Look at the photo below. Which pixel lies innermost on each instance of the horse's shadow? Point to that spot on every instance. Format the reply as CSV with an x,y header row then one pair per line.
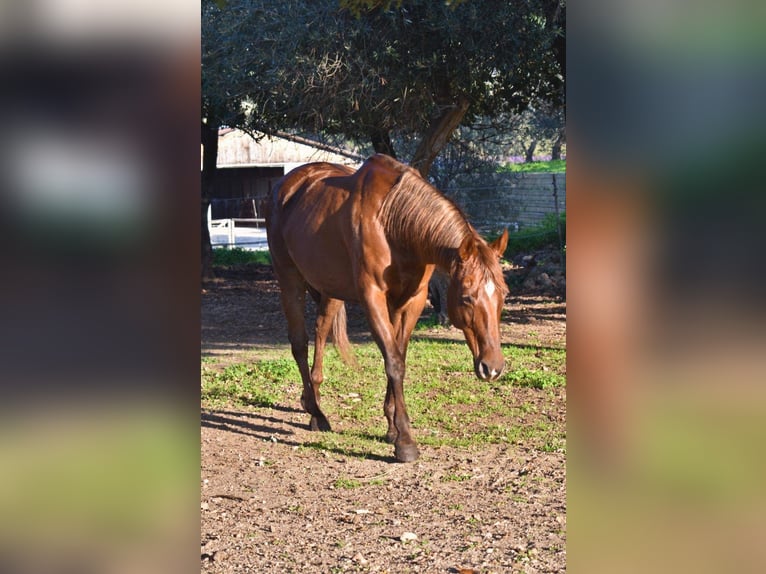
x,y
269,428
232,422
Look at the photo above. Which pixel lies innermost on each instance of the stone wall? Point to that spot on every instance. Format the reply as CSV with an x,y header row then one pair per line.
x,y
513,200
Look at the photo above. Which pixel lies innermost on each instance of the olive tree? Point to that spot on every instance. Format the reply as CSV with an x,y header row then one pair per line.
x,y
367,70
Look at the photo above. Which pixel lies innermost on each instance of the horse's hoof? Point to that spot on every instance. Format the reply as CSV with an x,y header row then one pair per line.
x,y
320,424
406,452
391,437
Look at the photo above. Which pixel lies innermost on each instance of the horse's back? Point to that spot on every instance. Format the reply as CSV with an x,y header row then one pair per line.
x,y
304,175
375,177
324,222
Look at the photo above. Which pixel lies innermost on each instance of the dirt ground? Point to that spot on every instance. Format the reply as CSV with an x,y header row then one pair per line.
x,y
270,506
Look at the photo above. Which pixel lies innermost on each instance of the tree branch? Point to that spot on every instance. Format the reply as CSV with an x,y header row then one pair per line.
x,y
438,134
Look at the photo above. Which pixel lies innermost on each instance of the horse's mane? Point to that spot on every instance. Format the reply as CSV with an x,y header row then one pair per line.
x,y
417,216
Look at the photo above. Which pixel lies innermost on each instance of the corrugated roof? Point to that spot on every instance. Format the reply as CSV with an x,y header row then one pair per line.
x,y
236,148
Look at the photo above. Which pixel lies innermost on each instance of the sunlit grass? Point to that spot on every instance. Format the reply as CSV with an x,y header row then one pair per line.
x,y
552,166
448,405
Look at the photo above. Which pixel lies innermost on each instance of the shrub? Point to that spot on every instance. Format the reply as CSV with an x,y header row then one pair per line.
x,y
239,256
529,239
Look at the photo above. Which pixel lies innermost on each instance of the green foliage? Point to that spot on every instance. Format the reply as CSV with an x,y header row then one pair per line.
x,y
546,234
375,67
356,7
427,322
553,166
239,256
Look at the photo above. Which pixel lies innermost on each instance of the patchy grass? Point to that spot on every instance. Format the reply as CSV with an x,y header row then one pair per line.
x,y
347,483
448,405
259,384
537,379
455,477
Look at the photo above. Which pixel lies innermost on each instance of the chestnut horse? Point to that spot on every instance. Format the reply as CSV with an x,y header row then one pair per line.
x,y
374,236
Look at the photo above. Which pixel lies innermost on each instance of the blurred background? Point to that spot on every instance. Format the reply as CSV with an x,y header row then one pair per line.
x,y
666,261
99,172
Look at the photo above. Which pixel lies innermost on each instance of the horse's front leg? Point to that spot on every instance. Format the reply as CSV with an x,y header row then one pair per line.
x,y
403,322
399,432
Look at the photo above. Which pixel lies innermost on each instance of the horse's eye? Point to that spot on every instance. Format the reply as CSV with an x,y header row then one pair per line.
x,y
467,300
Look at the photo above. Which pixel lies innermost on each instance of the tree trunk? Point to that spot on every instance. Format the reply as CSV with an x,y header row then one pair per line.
x,y
438,134
209,158
530,154
556,149
381,142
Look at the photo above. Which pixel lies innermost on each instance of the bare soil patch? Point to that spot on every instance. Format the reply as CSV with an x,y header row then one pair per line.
x,y
270,503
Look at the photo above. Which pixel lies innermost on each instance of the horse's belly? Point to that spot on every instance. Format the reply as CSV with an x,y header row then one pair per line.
x,y
325,264
331,277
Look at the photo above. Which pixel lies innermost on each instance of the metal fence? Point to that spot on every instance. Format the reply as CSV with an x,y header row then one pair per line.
x,y
241,232
235,208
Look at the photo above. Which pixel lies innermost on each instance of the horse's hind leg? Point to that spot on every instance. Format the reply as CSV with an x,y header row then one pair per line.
x,y
293,295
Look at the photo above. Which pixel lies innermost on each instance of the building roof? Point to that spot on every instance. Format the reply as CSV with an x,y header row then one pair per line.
x,y
238,149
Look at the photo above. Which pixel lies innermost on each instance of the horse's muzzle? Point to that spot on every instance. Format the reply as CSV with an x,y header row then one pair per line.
x,y
488,372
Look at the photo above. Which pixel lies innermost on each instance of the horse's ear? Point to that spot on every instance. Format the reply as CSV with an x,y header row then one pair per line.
x,y
467,248
499,244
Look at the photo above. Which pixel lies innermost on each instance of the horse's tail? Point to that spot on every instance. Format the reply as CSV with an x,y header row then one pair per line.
x,y
340,336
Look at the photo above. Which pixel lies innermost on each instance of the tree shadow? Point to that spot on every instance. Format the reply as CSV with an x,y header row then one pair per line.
x,y
434,337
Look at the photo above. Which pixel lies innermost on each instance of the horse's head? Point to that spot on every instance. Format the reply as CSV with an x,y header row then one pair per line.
x,y
475,300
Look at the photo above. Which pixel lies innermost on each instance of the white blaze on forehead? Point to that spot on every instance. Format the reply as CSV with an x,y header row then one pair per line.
x,y
489,288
